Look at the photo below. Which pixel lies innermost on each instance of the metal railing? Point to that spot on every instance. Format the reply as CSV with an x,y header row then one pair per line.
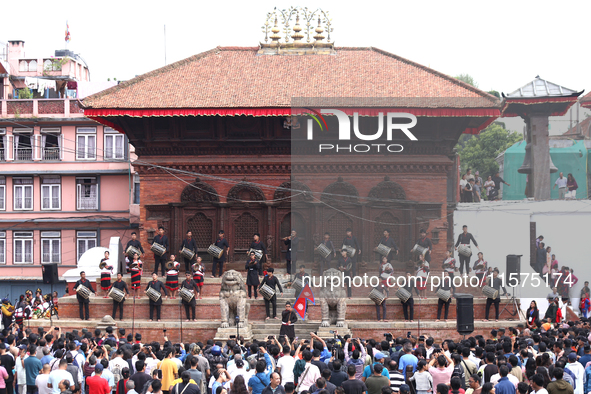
x,y
23,154
51,154
87,203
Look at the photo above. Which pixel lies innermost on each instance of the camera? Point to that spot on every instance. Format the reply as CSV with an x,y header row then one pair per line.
x,y
232,336
270,337
331,332
164,330
408,334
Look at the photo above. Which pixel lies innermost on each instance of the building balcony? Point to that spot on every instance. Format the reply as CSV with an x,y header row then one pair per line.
x,y
23,154
87,203
41,108
50,154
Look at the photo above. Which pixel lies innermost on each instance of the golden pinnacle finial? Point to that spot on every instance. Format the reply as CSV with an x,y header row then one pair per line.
x,y
297,35
319,37
275,37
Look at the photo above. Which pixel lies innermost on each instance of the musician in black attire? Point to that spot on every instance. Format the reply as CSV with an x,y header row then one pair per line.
x,y
496,283
325,262
408,307
121,285
252,274
288,319
464,238
190,244
344,261
83,302
292,254
190,285
271,281
159,287
351,241
257,244
384,290
221,242
161,260
425,243
389,242
446,284
135,243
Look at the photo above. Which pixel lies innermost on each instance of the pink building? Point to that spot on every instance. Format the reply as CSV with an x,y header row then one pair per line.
x,y
66,183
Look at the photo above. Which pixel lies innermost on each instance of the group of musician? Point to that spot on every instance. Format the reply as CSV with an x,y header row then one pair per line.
x,y
29,306
347,258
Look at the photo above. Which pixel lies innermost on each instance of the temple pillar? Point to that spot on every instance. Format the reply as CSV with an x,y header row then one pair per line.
x,y
540,154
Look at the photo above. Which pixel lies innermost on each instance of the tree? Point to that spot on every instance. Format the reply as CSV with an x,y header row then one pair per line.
x,y
468,79
480,151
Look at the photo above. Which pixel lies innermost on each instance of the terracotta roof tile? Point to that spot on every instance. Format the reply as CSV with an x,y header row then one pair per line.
x,y
233,77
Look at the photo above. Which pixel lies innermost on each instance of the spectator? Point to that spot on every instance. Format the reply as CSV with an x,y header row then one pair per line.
x,y
42,379
474,385
561,183
285,365
497,187
97,384
572,187
355,386
64,386
274,386
504,385
489,185
422,378
442,373
32,368
55,377
130,386
396,378
337,376
559,385
3,378
377,380
463,183
407,359
578,371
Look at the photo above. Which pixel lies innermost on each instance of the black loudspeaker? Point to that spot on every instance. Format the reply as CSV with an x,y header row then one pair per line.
x,y
465,313
49,273
513,267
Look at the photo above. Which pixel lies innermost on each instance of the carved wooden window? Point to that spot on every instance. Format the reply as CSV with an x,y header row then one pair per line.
x,y
386,221
202,229
246,225
337,226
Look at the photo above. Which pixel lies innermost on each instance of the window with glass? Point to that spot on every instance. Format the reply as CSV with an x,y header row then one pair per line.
x,y
51,192
23,247
50,247
23,144
50,144
2,193
114,144
85,240
2,247
23,193
87,193
86,143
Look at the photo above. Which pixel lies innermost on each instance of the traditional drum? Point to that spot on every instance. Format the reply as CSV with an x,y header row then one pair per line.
x,y
153,294
383,250
215,251
187,253
158,249
257,253
186,294
350,250
465,250
490,292
323,250
418,249
377,296
297,286
116,294
444,295
267,292
83,291
403,294
132,250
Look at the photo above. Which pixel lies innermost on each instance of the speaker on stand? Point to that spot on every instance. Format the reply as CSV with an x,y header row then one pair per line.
x,y
464,313
50,277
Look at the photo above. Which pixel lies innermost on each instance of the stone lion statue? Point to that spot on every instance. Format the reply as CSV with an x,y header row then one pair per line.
x,y
233,299
333,302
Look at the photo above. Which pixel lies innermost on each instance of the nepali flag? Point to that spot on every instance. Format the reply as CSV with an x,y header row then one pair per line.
x,y
301,304
67,32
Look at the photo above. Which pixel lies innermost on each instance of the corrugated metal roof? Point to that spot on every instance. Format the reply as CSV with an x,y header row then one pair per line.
x,y
541,88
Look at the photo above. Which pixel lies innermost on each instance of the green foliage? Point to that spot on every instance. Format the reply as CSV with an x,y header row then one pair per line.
x,y
478,152
494,93
468,79
25,93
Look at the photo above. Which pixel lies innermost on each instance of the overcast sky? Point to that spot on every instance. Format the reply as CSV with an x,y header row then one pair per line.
x,y
502,44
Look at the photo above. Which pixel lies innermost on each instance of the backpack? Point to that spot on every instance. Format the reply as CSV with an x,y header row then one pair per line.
x,y
116,370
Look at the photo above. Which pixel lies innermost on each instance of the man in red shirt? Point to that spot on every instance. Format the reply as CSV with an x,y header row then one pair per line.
x,y
97,384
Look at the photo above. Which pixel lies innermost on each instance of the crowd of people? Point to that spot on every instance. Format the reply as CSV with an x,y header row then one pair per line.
x,y
548,359
473,189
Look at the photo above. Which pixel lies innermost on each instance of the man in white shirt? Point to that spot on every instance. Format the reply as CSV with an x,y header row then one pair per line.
x,y
578,370
310,373
21,375
285,366
239,370
42,379
55,377
117,364
561,183
537,383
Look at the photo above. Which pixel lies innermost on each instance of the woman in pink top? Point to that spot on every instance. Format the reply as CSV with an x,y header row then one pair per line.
x,y
3,377
445,367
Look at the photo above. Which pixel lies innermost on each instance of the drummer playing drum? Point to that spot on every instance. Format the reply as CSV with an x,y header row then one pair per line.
x,y
447,285
464,238
425,243
120,285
